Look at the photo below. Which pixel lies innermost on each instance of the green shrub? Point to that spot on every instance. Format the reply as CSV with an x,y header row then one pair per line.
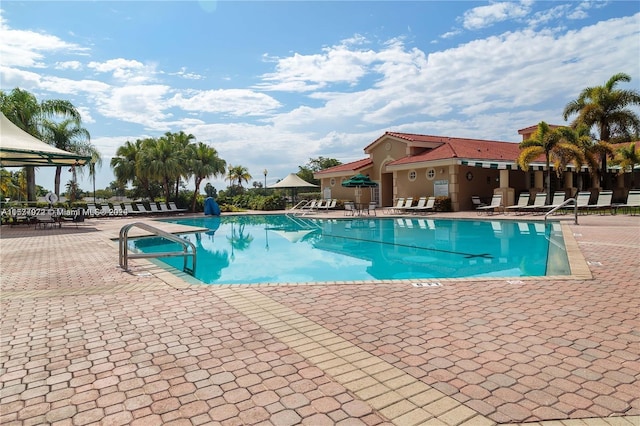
x,y
442,204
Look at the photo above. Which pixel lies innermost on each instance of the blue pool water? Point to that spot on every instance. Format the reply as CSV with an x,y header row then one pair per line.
x,y
285,249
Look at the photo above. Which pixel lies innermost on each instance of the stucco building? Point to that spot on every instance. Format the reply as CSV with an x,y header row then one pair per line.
x,y
414,165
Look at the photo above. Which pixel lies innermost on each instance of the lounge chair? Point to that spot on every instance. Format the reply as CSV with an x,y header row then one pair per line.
x,y
128,209
523,201
399,203
43,220
582,201
74,219
602,203
311,205
475,199
422,201
631,205
408,202
558,199
372,208
426,207
331,204
174,208
349,208
538,202
142,209
496,204
92,210
154,207
164,208
322,204
117,210
105,211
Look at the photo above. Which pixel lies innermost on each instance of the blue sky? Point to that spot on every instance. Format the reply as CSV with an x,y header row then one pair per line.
x,y
272,84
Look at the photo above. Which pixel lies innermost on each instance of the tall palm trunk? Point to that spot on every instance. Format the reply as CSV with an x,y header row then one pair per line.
x,y
195,195
56,181
31,183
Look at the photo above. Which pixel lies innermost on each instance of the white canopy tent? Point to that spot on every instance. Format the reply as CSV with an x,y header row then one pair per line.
x,y
19,149
293,181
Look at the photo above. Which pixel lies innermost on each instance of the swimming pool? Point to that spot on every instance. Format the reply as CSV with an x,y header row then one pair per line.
x,y
252,249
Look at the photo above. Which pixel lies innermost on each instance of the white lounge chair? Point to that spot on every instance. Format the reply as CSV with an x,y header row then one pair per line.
x,y
142,209
523,200
373,206
496,204
173,207
423,207
45,219
332,204
632,204
128,208
398,205
422,201
602,203
558,199
154,207
311,205
582,201
538,201
408,202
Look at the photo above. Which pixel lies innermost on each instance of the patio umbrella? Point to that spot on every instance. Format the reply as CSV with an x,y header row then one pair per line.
x,y
359,181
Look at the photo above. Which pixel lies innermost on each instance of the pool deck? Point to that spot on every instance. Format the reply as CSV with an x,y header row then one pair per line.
x,y
83,342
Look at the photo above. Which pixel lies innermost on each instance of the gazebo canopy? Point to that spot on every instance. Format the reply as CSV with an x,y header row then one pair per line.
x,y
18,149
293,181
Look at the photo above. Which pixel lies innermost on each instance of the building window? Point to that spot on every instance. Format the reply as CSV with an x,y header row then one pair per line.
x,y
332,182
431,174
412,175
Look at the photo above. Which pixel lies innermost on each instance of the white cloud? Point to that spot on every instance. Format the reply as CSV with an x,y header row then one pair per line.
x,y
126,70
141,104
21,48
485,16
336,64
235,102
69,65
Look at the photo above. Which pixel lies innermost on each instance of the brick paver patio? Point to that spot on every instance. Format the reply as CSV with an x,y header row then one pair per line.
x,y
86,343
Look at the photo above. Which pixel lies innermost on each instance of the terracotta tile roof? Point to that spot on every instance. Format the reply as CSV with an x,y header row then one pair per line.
x,y
353,166
463,148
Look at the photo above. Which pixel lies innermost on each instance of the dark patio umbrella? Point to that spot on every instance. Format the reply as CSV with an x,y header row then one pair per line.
x,y
359,181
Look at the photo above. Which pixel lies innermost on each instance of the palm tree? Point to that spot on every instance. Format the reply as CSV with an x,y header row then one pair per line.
x,y
238,174
203,163
606,108
160,161
23,109
124,163
182,142
550,143
627,157
69,136
588,150
96,160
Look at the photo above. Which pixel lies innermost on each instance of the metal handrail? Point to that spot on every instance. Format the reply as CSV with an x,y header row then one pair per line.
x,y
566,202
124,255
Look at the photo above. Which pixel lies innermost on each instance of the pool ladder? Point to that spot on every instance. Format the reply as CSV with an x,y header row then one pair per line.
x,y
570,201
188,248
